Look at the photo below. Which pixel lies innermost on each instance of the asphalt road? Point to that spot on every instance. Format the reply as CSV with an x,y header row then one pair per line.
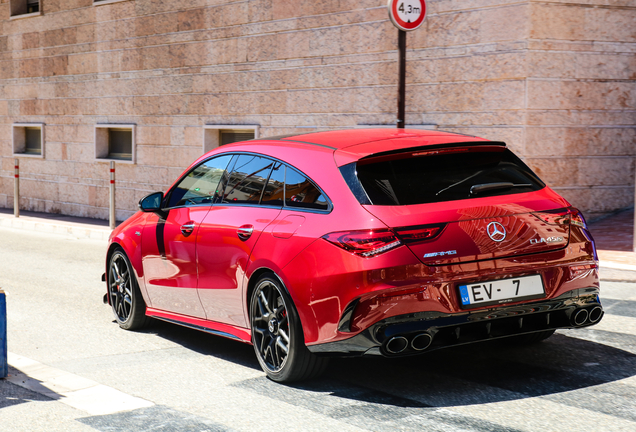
x,y
75,370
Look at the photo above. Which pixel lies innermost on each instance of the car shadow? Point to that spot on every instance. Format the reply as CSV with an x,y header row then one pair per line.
x,y
204,343
417,393
488,372
491,371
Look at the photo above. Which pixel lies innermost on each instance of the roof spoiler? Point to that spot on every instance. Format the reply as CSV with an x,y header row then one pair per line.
x,y
430,148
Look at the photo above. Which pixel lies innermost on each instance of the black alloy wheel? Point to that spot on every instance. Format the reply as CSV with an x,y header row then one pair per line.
x,y
126,301
277,334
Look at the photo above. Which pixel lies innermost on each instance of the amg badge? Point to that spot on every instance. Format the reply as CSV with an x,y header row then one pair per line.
x,y
435,254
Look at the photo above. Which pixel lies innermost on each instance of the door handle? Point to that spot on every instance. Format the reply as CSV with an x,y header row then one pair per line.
x,y
187,228
245,232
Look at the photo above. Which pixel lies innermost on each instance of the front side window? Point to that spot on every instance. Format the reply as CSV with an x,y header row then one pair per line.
x,y
202,185
247,179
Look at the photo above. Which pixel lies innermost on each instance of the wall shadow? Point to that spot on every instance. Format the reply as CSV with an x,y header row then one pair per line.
x,y
12,394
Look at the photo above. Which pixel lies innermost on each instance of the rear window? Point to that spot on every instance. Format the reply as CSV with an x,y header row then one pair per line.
x,y
452,174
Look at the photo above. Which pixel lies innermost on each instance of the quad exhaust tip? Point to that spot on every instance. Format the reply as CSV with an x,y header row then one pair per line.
x,y
580,317
397,344
595,314
421,341
591,315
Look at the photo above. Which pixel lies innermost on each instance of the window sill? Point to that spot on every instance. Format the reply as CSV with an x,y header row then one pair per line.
x,y
27,15
122,161
29,155
105,2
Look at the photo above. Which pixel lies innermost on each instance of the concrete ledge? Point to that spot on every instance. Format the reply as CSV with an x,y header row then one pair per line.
x,y
75,230
73,390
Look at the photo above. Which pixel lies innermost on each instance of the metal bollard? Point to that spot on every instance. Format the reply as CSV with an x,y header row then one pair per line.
x,y
111,213
4,367
16,189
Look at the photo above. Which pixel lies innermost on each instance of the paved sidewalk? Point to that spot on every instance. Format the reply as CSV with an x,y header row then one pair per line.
x,y
613,236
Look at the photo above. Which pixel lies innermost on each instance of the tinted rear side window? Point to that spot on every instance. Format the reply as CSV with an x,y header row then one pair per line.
x,y
302,193
419,179
275,188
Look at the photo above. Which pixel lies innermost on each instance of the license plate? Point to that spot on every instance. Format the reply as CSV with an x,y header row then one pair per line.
x,y
501,291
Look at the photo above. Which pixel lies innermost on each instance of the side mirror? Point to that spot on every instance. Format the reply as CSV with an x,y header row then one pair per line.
x,y
151,203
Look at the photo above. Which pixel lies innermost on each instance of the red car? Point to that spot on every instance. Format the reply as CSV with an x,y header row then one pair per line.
x,y
359,242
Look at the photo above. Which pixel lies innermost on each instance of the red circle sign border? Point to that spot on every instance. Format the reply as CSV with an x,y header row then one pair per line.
x,y
395,19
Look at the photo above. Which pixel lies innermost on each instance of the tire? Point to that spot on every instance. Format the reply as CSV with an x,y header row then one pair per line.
x,y
126,300
277,334
533,338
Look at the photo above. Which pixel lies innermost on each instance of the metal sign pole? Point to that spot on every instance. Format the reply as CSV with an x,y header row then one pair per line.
x,y
111,212
406,15
401,79
16,189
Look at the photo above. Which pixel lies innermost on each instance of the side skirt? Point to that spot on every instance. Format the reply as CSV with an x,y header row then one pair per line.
x,y
216,328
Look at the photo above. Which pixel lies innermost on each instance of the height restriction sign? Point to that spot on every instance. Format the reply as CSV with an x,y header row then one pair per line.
x,y
407,14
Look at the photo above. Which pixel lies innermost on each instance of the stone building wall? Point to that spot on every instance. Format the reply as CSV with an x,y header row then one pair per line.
x,y
553,79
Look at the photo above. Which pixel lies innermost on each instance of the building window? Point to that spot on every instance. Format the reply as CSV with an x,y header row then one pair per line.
x,y
28,139
115,142
218,135
24,8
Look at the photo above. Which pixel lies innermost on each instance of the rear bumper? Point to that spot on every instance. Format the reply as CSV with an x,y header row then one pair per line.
x,y
427,331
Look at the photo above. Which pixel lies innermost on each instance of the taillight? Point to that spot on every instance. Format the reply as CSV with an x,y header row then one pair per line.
x,y
561,216
414,234
364,243
576,218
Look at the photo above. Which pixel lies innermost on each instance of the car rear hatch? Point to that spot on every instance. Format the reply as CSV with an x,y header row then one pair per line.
x,y
460,203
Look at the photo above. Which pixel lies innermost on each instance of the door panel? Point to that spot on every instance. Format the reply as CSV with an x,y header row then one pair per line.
x,y
223,251
169,261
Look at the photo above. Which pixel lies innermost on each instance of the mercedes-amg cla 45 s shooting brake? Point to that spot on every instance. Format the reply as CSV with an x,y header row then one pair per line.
x,y
360,242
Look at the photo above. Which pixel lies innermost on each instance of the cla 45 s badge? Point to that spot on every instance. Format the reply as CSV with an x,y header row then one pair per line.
x,y
546,240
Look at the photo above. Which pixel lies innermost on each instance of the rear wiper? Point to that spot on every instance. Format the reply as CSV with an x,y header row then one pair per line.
x,y
486,187
459,182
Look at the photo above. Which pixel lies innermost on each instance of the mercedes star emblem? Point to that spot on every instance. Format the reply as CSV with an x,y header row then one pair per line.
x,y
496,231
